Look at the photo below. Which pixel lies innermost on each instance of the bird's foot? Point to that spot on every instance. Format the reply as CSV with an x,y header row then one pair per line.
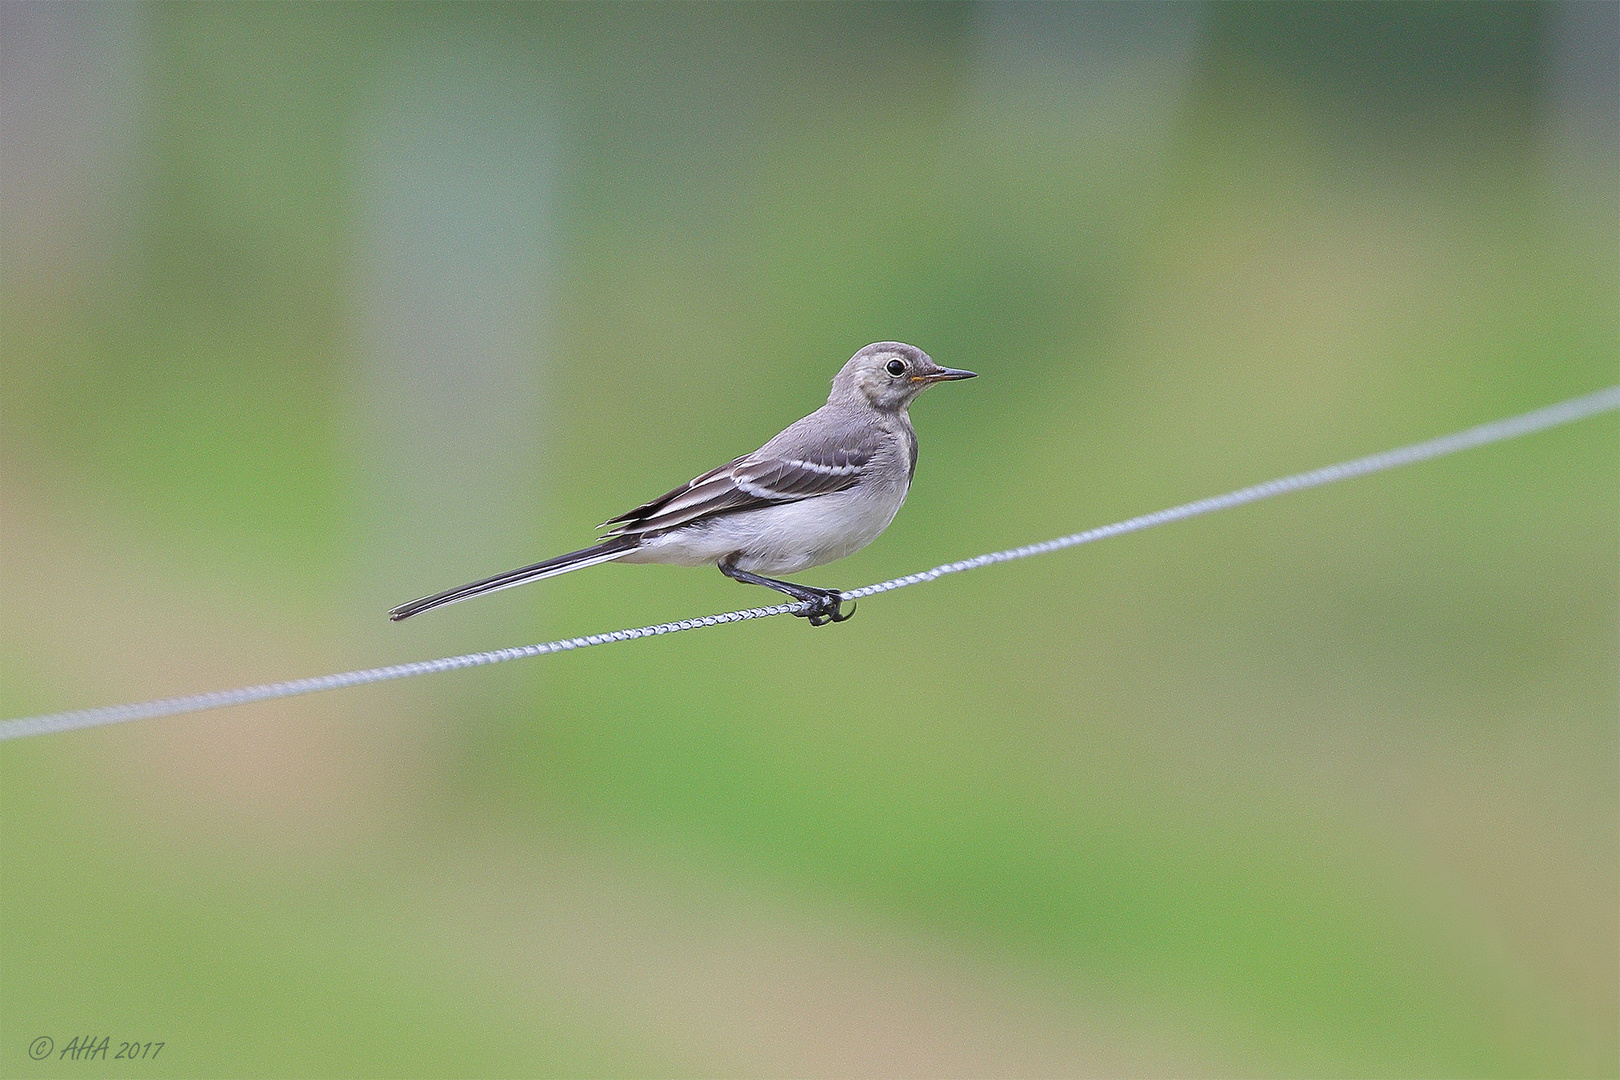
x,y
822,605
826,607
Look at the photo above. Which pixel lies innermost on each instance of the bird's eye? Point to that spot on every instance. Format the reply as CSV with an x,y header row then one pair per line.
x,y
896,368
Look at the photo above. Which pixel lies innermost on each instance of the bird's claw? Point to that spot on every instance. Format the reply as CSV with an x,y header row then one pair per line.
x,y
826,608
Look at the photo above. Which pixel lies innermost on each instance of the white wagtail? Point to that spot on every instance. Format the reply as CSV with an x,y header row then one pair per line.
x,y
822,489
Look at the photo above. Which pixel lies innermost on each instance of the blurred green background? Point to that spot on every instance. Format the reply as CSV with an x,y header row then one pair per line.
x,y
307,310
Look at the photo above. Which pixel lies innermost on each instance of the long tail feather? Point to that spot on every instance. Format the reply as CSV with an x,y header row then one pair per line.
x,y
606,551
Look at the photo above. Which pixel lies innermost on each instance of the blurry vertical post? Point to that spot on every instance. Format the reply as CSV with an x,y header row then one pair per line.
x,y
70,88
455,185
1581,112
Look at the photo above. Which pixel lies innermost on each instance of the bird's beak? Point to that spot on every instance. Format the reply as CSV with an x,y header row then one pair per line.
x,y
945,375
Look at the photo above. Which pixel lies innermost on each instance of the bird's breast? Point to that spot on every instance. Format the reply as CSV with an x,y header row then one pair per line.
x,y
786,538
796,536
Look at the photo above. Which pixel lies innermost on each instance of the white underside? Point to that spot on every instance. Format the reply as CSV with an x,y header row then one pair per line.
x,y
781,539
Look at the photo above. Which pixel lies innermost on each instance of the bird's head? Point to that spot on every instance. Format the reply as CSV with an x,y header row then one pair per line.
x,y
889,375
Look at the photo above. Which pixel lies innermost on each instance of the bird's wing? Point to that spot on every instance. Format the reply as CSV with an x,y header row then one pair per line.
x,y
770,476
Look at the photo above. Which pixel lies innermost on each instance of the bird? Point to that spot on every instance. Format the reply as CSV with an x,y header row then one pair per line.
x,y
824,488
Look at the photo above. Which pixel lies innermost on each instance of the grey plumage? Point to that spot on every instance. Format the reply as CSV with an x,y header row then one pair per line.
x,y
825,487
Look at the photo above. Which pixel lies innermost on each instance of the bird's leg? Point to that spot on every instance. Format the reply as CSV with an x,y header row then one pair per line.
x,y
828,603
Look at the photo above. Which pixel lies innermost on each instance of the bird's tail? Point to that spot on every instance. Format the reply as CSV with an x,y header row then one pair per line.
x,y
606,551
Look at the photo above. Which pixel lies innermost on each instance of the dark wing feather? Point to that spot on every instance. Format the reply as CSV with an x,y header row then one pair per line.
x,y
747,483
647,509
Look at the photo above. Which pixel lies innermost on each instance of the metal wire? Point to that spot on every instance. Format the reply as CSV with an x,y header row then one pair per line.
x,y
1564,412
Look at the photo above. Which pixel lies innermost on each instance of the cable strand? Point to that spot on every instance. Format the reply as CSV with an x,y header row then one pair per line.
x,y
1565,412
